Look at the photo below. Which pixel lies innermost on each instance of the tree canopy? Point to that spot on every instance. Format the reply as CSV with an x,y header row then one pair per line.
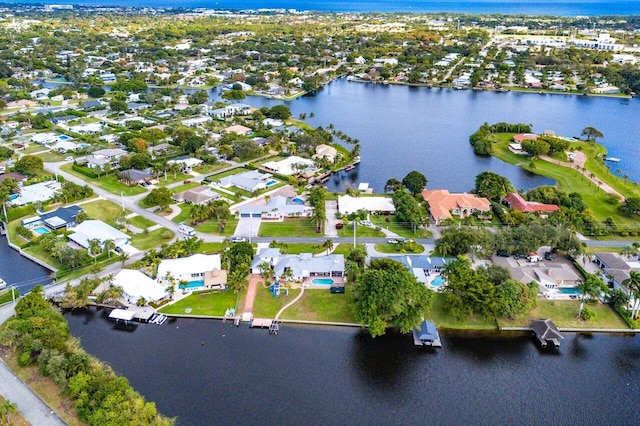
x,y
493,186
415,182
387,294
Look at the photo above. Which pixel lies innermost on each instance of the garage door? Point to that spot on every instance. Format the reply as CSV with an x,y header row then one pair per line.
x,y
245,214
256,215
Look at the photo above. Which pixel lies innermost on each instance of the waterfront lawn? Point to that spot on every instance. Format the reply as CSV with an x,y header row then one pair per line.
x,y
361,231
211,227
45,388
399,248
288,228
442,319
207,302
564,314
149,240
265,306
321,305
399,229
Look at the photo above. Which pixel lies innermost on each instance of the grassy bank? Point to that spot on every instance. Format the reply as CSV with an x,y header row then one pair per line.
x,y
212,303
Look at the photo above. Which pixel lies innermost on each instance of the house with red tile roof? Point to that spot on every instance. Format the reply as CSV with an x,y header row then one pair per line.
x,y
516,202
520,137
444,205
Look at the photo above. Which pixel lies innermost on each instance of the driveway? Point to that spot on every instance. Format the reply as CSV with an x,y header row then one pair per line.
x,y
248,227
331,208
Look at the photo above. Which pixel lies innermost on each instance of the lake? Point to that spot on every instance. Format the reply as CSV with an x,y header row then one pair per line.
x,y
403,128
208,372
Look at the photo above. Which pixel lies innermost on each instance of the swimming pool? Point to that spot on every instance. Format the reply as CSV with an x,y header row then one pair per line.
x,y
297,201
192,284
40,230
322,281
271,182
63,137
438,281
569,290
13,196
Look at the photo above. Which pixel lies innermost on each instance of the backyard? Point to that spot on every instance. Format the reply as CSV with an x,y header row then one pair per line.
x,y
208,303
321,305
288,228
107,182
266,306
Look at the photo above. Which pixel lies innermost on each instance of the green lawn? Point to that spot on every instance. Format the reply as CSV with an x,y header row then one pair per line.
x,y
32,148
173,178
211,227
265,306
103,210
288,228
399,248
442,319
149,240
204,169
231,172
361,231
297,248
212,248
51,156
211,303
141,222
185,209
401,230
564,314
185,187
321,305
342,248
108,183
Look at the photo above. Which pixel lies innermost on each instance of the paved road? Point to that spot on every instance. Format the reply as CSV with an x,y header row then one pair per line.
x,y
32,408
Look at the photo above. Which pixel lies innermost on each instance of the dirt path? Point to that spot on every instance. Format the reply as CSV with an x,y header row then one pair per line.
x,y
580,158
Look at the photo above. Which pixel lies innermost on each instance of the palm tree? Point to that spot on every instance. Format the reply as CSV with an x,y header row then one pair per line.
x,y
328,244
628,251
7,408
589,287
633,286
109,245
94,246
123,257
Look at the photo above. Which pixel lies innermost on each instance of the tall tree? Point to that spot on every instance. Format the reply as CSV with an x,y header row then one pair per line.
x,y
414,181
591,133
492,186
388,294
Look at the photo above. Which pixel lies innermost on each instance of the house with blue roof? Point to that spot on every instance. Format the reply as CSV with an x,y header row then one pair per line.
x,y
63,217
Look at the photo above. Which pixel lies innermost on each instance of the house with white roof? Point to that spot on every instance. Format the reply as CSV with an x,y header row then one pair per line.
x,y
290,166
326,151
198,271
251,180
97,230
99,158
44,138
36,193
135,286
277,209
348,204
302,266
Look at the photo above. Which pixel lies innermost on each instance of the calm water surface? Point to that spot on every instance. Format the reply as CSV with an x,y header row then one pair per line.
x,y
206,372
19,271
403,129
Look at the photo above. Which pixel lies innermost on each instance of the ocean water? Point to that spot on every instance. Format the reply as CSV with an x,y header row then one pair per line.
x,y
543,7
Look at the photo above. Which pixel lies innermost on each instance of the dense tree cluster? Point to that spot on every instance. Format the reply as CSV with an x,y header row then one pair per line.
x,y
481,139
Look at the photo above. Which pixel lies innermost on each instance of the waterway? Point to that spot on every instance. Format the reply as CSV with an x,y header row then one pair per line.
x,y
19,271
403,128
208,372
540,7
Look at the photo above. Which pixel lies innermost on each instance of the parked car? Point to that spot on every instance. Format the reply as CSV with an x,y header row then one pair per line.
x,y
69,158
393,241
366,223
187,181
206,180
503,253
548,256
237,239
533,258
339,225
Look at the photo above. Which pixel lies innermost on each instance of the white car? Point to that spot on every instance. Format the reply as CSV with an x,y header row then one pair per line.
x,y
237,239
68,158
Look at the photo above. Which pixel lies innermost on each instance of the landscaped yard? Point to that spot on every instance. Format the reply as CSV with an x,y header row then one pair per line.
x,y
108,183
207,302
172,178
361,231
140,222
442,319
212,248
297,248
401,230
399,248
185,210
149,240
265,306
51,156
564,314
288,228
103,210
204,169
321,305
212,227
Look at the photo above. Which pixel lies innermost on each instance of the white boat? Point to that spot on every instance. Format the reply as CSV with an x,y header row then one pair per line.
x,y
3,284
612,159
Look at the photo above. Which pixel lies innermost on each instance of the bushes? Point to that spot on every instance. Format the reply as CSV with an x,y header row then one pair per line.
x,y
88,172
18,212
588,314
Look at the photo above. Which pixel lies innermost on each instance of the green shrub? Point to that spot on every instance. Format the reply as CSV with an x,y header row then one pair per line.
x,y
588,314
18,212
88,172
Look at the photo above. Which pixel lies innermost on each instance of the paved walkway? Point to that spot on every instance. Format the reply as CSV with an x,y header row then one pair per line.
x,y
254,281
580,160
32,408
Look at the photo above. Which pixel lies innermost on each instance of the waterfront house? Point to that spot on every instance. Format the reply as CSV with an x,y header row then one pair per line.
x,y
62,217
199,271
301,266
277,209
377,205
516,202
444,205
135,286
290,166
521,137
97,230
326,151
36,193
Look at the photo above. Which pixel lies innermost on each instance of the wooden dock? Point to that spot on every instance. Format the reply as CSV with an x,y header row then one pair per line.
x,y
260,323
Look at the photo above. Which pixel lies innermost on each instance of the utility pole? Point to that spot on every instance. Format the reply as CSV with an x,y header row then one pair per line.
x,y
122,199
355,225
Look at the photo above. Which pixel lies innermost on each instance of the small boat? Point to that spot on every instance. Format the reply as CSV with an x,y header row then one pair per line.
x,y
612,159
3,284
349,167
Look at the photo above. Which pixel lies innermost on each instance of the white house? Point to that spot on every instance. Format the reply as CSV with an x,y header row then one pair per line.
x,y
348,204
98,230
301,266
326,151
199,271
110,156
290,165
251,180
36,193
277,209
136,285
186,163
